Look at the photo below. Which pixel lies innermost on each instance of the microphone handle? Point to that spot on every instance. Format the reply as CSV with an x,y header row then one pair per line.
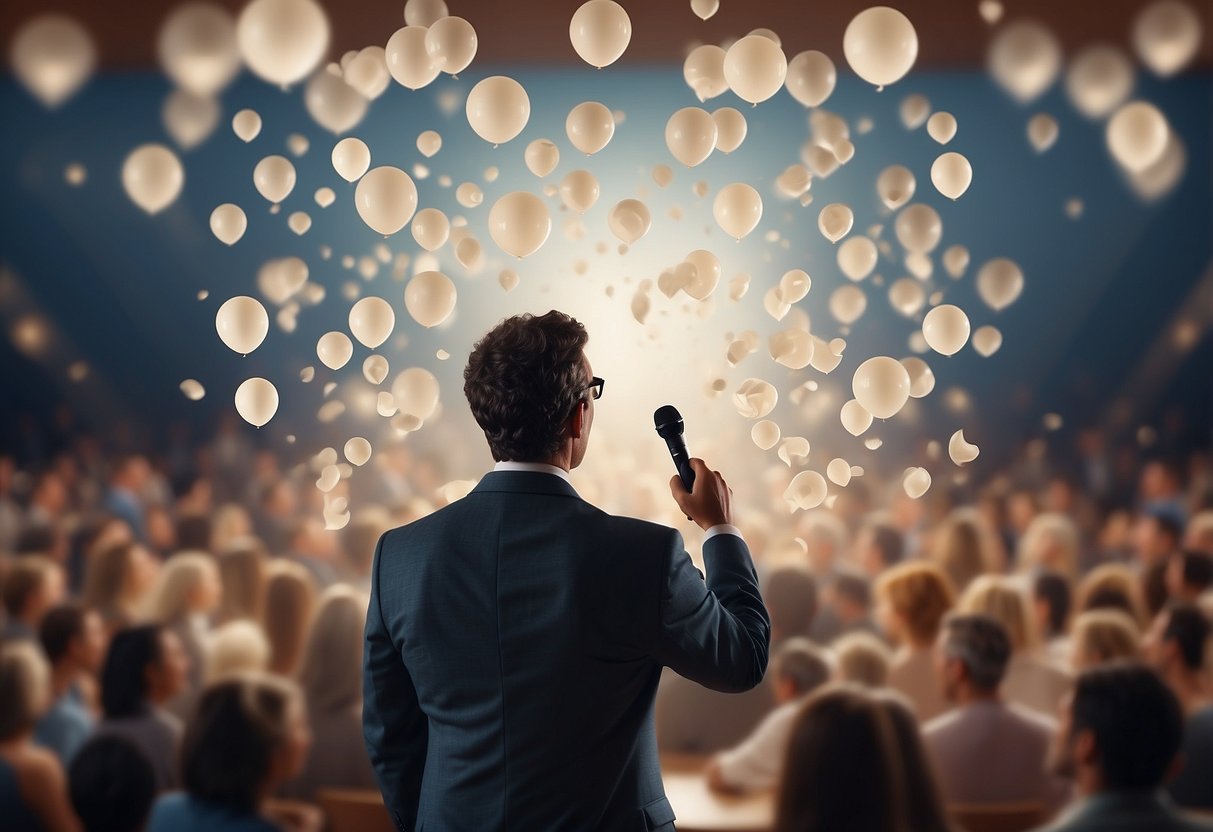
x,y
682,461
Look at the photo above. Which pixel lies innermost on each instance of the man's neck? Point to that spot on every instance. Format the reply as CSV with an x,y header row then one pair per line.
x,y
967,695
1189,688
63,676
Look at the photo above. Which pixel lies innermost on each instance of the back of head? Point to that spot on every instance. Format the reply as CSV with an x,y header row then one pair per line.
x,y
921,594
923,808
890,543
111,785
362,535
802,662
59,628
862,659
1105,635
522,381
1189,628
290,595
238,646
982,645
194,532
853,586
23,578
242,569
1004,600
960,550
1054,590
790,595
106,575
179,578
1112,586
1051,541
124,675
1196,570
331,672
24,687
1135,720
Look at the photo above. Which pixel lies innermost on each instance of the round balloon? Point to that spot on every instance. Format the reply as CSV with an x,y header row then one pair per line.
x,y
737,209
228,223
755,68
600,31
334,104
999,283
498,108
152,176
951,174
590,126
371,321
430,299
918,228
629,220
334,349
408,61
274,178
946,329
519,223
691,135
256,401
881,45
351,158
431,229
579,190
882,386
451,43
386,199
811,78
1137,135
242,323
282,40
53,55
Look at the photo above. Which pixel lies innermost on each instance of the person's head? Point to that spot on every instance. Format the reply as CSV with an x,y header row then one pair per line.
x,y
924,808
231,522
1199,534
248,736
528,384
800,668
790,595
330,673
111,785
1156,535
972,656
1189,574
1178,640
1160,480
959,548
73,636
118,577
1051,601
361,536
861,658
49,492
47,539
1101,636
32,585
850,595
188,584
242,568
1005,600
912,600
825,540
1120,730
1112,586
130,472
1050,541
290,595
24,688
878,547
194,532
145,666
238,646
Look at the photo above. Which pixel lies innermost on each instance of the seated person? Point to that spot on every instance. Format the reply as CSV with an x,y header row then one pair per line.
x,y
850,598
112,785
863,659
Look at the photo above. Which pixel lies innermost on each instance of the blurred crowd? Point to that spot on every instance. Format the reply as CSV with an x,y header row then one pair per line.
x,y
182,639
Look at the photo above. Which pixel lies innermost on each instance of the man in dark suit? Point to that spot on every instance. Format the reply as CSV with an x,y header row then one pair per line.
x,y
515,638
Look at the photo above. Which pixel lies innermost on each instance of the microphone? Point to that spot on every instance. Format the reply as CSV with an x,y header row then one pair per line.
x,y
668,422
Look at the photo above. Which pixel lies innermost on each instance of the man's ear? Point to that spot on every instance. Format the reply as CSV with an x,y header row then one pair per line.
x,y
1085,751
577,420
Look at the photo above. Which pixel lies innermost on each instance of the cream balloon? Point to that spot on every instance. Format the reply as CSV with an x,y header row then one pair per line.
x,y
246,124
835,221
53,55
357,451
1166,35
987,340
242,323
256,401
811,78
691,135
946,329
857,257
334,104
839,472
918,228
855,418
367,72
193,389
431,229
755,68
282,41
765,434
334,349
737,209
951,174
589,126
731,129
407,59
520,223
1042,132
600,31
430,299
792,348
386,199
1024,59
882,386
375,369
451,43
197,47
372,321
703,71
274,177
629,220
497,109
922,380
189,119
999,283
847,304
416,392
956,260
941,127
704,9
880,45
1098,80
916,482
705,276
961,451
541,157
429,142
579,190
299,222
424,12
806,491
228,223
325,197
153,177
915,110
906,295
1137,135
755,398
351,158
895,186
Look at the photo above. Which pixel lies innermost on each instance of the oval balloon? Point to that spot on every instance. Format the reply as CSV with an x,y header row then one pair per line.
x,y
386,199
737,209
880,45
372,321
153,177
691,135
755,68
282,41
242,323
882,386
430,299
590,126
520,223
600,31
256,401
946,329
497,109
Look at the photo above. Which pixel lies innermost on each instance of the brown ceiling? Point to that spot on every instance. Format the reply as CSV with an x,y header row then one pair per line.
x,y
951,33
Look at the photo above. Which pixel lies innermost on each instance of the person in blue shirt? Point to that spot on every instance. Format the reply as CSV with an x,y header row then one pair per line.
x,y
74,641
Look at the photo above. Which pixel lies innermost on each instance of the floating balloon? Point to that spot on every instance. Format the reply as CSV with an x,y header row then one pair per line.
x,y
961,451
372,321
705,275
811,78
429,142
946,329
1042,132
855,418
915,110
246,124
541,157
835,221
806,491
794,450
451,43
792,348
189,119
508,279
956,260
987,340
430,298
703,9
498,108
922,380
880,45
416,393
325,197
857,257
737,209
274,178
765,434
334,349
334,104
1099,80
228,223
1137,135
357,451
1024,59
193,389
519,223
1166,35
590,126
53,55
755,68
906,295
941,127
918,228
895,186
351,158
152,176
629,220
730,129
367,72
579,190
691,135
431,229
600,31
839,472
375,369
242,323
916,482
469,195
386,199
999,283
282,41
197,47
847,304
755,398
256,401
703,71
407,59
794,285
881,385
951,174
424,13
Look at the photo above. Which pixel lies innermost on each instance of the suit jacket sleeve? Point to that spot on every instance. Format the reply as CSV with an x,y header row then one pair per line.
x,y
393,724
716,633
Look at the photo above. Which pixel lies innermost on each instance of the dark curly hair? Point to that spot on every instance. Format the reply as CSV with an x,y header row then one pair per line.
x,y
522,381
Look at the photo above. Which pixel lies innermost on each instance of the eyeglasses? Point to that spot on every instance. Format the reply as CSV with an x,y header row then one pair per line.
x,y
596,384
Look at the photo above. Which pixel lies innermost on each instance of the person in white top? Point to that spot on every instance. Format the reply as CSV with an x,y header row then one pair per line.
x,y
799,668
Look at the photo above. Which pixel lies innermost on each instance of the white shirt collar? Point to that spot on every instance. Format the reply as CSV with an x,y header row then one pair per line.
x,y
535,467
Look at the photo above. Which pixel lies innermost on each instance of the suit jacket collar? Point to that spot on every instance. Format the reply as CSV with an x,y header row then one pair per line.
x,y
525,482
1120,805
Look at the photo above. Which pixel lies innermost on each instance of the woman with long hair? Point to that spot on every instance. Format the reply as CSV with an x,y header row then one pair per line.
x,y
116,580
185,594
290,595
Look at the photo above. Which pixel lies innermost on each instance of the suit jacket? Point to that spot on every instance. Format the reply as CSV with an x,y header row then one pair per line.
x,y
514,642
1127,812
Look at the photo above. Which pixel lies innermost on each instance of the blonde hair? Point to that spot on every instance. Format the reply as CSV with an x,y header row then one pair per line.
x,y
290,595
1104,635
1113,586
961,549
921,594
169,598
236,647
242,574
24,687
106,578
231,523
1005,600
331,671
862,658
1050,542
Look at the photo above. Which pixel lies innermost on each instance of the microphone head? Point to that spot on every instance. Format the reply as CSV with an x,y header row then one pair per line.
x,y
668,421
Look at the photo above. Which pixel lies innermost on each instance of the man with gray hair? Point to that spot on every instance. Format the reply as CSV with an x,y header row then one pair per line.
x,y
987,751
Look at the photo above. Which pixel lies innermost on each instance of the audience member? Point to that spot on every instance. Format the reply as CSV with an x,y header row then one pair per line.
x,y
1050,541
74,642
912,600
1101,636
1051,603
959,548
242,573
849,598
311,548
124,499
359,541
186,592
1156,537
236,647
1112,586
31,586
111,785
862,659
924,806
878,547
117,578
290,595
1199,534
1189,574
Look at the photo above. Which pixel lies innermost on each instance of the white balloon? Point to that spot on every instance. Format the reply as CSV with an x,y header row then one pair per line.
x,y
792,348
367,72
246,124
857,257
416,393
987,340
922,380
358,451
847,304
835,221
806,491
386,199
731,129
999,283
520,223
282,41
737,209
946,329
906,295
1042,132
498,108
372,321
880,45
705,275
600,31
1137,135
424,12
916,482
541,157
951,174
375,369
1099,80
956,260
881,385
430,299
961,451
755,68
704,9
691,135
1166,36
274,178
407,59
334,104
941,127
242,323
256,401
1024,59
895,186
915,110
765,434
629,220
325,197
589,126
451,43
193,389
334,349
190,119
431,229
351,158
703,71
228,223
299,222
153,177
918,228
839,471
755,398
794,285
579,190
53,55
197,47
811,78
855,418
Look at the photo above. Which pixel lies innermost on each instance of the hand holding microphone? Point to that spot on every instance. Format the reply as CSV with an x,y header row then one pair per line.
x,y
700,492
